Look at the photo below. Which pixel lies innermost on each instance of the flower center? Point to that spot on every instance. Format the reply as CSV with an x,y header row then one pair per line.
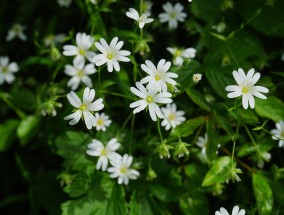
x,y
82,52
104,152
100,122
172,15
171,116
177,53
80,73
5,70
123,170
82,107
149,99
157,77
245,90
109,56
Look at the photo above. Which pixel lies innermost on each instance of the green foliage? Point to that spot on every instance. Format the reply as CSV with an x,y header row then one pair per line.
x,y
263,194
215,154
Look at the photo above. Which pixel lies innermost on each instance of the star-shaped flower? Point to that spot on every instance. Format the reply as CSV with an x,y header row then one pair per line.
x,y
104,152
246,88
173,14
84,43
279,133
79,73
149,98
121,169
84,109
7,70
141,20
102,121
172,116
158,77
17,30
111,54
179,54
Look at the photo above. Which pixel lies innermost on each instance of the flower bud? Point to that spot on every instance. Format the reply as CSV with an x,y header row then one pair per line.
x,y
181,149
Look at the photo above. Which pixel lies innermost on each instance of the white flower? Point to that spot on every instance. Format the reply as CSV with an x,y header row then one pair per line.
x,y
52,39
246,88
172,14
172,117
202,143
111,54
279,133
263,156
197,77
84,109
189,0
64,3
7,69
104,152
102,121
236,211
158,77
141,20
180,54
84,43
17,30
121,169
149,99
79,73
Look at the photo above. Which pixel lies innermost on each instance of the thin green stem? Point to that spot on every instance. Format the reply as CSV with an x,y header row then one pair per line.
x,y
131,133
12,106
159,130
250,135
124,124
234,142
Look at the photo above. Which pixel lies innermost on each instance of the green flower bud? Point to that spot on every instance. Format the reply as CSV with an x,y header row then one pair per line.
x,y
55,54
163,150
181,150
151,175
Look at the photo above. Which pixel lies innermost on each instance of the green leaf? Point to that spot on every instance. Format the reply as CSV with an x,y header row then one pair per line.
x,y
198,98
218,171
186,72
219,78
7,131
262,193
187,128
194,203
27,128
206,12
139,204
72,147
272,108
269,14
24,98
117,204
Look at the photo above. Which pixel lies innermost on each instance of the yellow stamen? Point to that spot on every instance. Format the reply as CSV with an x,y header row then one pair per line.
x,y
5,69
149,99
100,122
80,73
157,78
109,56
82,107
103,152
82,52
245,90
123,170
172,15
171,116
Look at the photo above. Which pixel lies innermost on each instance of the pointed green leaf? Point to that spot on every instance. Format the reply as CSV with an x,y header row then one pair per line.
x,y
218,171
262,193
7,131
187,128
272,108
27,128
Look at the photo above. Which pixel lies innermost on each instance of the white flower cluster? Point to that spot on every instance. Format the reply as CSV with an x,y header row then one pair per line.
x,y
156,92
120,165
86,109
7,70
